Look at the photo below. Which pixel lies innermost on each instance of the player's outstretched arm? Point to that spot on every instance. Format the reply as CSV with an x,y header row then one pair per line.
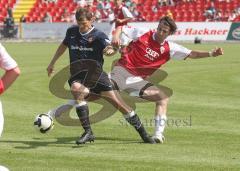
x,y
200,54
116,36
8,78
61,49
128,19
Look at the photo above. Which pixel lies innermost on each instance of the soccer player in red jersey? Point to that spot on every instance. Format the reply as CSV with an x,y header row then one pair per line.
x,y
147,52
121,13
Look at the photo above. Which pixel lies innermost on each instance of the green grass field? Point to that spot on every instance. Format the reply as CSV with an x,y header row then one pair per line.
x,y
207,90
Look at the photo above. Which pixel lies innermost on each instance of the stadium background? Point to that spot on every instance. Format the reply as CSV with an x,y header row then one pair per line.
x,y
204,110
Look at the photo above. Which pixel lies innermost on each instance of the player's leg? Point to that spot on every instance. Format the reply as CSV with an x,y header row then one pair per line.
x,y
83,115
129,114
79,92
1,119
158,96
57,112
123,80
144,89
67,107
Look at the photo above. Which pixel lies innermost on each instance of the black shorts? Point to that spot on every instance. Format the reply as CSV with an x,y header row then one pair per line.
x,y
95,82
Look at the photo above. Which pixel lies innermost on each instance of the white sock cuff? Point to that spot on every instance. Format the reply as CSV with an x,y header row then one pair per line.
x,y
130,114
52,113
161,117
82,103
160,122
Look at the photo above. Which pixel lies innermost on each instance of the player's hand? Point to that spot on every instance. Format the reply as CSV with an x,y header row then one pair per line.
x,y
109,51
116,41
119,21
217,51
50,69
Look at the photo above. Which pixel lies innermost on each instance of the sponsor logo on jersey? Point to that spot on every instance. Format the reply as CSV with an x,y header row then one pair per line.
x,y
151,54
81,48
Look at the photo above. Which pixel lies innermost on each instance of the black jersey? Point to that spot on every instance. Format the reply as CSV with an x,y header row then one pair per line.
x,y
86,46
86,58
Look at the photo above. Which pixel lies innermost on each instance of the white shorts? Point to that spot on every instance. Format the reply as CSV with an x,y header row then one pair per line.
x,y
127,82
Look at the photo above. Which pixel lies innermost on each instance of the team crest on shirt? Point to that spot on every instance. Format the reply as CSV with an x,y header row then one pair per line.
x,y
90,39
162,50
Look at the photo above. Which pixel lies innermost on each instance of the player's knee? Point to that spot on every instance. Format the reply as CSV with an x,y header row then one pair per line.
x,y
163,102
162,95
75,87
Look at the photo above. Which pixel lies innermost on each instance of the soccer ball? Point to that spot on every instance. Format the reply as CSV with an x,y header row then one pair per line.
x,y
3,168
43,123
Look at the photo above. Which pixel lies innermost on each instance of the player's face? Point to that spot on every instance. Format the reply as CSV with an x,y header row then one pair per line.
x,y
118,2
163,31
84,25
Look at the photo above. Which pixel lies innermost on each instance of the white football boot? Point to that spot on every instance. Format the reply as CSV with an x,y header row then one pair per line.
x,y
159,138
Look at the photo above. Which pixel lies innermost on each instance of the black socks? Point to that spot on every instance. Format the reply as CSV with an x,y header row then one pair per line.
x,y
83,115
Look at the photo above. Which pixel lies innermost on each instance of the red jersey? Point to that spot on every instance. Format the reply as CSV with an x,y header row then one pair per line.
x,y
145,55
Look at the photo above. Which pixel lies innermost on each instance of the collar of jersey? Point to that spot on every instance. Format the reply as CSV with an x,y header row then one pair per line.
x,y
83,34
154,35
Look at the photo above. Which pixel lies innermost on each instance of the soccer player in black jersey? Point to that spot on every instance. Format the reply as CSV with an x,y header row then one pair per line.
x,y
86,46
